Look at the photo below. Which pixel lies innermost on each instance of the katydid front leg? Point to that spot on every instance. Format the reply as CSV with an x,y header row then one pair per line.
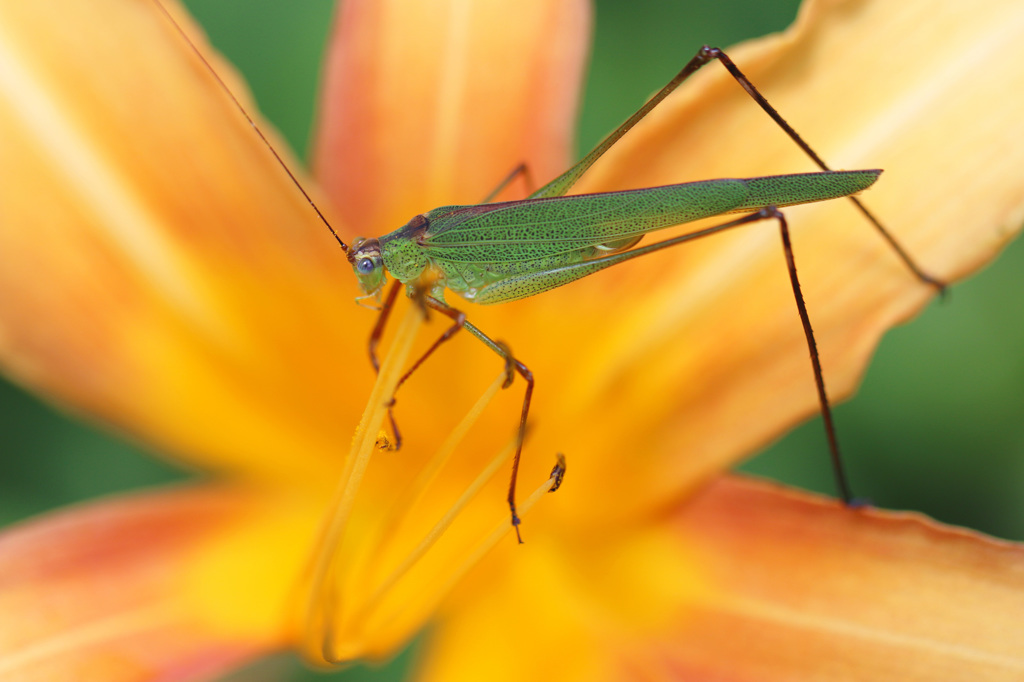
x,y
521,170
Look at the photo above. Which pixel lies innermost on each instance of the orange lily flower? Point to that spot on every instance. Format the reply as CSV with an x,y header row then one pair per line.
x,y
160,273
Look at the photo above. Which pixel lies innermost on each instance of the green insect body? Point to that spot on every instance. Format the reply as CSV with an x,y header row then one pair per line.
x,y
500,252
495,253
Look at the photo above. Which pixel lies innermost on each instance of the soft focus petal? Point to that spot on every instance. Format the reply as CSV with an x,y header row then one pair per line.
x,y
157,267
169,586
428,103
660,372
749,581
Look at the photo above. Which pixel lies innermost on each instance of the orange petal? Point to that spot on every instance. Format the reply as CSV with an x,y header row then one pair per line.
x,y
429,103
137,588
808,585
750,582
158,268
686,361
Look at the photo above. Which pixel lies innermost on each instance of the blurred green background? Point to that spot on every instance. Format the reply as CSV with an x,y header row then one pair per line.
x,y
936,426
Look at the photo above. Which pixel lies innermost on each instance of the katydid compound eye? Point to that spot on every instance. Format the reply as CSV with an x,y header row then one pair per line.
x,y
365,266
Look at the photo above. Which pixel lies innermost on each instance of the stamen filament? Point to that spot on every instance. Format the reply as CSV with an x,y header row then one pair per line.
x,y
435,533
315,616
405,501
501,529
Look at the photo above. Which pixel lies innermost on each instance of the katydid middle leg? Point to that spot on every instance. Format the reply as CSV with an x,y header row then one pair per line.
x,y
511,364
520,170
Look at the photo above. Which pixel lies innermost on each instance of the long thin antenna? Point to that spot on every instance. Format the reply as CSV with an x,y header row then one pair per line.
x,y
238,105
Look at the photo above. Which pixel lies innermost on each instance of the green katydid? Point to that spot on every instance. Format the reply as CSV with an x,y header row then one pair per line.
x,y
498,252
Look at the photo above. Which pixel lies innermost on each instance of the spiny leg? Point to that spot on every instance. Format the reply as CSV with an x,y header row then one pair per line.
x,y
420,299
825,406
564,182
374,341
768,213
710,53
382,320
510,364
524,372
819,380
458,322
705,55
523,170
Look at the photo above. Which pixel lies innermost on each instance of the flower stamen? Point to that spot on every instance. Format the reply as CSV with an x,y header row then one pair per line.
x,y
415,491
336,622
435,533
500,530
323,570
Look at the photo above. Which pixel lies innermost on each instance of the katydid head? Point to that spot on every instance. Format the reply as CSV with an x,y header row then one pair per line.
x,y
368,265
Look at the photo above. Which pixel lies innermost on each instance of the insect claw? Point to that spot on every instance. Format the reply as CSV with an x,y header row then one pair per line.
x,y
384,443
396,444
941,287
557,472
515,524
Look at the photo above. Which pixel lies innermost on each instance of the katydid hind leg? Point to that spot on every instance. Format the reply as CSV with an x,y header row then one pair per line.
x,y
579,270
825,406
712,53
705,55
842,483
773,213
